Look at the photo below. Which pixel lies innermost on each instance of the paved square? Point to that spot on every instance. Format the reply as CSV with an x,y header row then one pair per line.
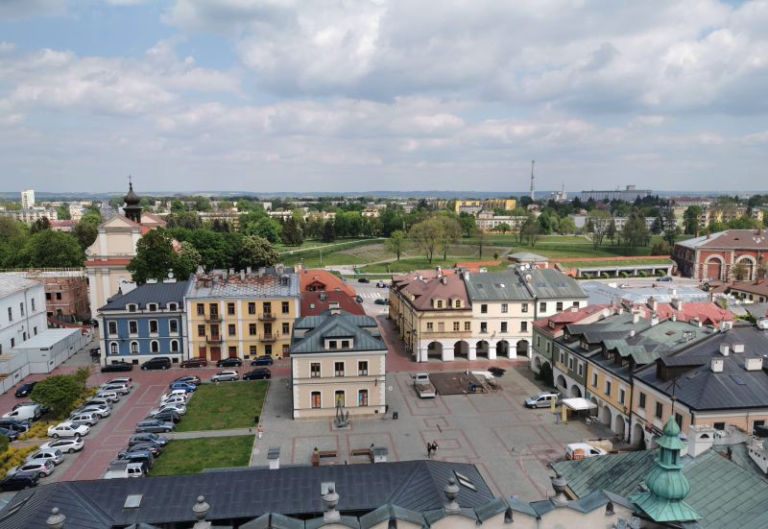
x,y
511,445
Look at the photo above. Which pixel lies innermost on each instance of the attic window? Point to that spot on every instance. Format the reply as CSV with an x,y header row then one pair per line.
x,y
739,381
152,307
464,481
132,501
132,307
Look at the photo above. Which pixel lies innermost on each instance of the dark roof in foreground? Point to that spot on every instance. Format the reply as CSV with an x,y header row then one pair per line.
x,y
310,333
246,494
161,293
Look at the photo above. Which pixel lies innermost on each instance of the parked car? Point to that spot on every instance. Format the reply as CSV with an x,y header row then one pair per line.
x,y
69,446
153,426
124,469
68,429
265,360
160,362
153,438
381,301
176,399
89,418
98,401
53,455
359,298
19,482
122,389
582,451
117,366
666,279
189,379
14,425
181,393
189,388
258,374
153,449
143,456
128,381
40,468
381,284
225,376
363,280
178,407
25,390
195,362
166,416
542,400
111,396
99,409
10,434
229,362
28,412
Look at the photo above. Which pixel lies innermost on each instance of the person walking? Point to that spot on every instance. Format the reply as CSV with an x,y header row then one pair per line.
x,y
429,449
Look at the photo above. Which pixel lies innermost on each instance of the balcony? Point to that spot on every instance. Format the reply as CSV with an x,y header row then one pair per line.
x,y
213,318
267,316
269,337
214,338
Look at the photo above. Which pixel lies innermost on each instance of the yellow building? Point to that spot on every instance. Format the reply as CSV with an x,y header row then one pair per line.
x,y
338,360
506,204
242,314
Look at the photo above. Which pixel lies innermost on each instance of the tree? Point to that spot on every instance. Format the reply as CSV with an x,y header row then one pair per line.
x,y
427,235
265,228
62,212
155,257
612,232
531,232
481,240
740,271
258,252
599,222
658,225
567,226
184,219
58,394
635,232
451,233
52,249
186,262
545,223
671,231
503,228
397,243
468,224
691,218
292,235
41,224
329,230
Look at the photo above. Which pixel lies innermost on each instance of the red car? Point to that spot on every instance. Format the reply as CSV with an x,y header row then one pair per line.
x,y
195,362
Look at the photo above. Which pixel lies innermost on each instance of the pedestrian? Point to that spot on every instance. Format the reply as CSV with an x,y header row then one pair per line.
x,y
434,447
429,449
260,431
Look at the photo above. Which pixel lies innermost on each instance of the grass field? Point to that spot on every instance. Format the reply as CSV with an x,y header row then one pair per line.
x,y
224,407
421,263
609,264
192,456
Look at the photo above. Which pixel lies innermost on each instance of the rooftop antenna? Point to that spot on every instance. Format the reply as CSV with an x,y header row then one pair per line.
x,y
533,162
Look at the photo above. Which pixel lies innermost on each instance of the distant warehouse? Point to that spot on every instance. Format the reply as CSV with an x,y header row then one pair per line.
x,y
628,194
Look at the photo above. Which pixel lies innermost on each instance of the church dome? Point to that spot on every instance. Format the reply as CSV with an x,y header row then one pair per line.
x,y
131,199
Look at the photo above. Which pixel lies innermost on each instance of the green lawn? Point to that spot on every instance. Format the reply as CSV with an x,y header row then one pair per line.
x,y
224,407
192,456
421,263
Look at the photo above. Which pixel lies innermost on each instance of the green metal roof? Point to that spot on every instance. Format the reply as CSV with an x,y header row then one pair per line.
x,y
335,326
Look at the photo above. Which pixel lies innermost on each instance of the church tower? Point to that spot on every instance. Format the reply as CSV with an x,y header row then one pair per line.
x,y
132,209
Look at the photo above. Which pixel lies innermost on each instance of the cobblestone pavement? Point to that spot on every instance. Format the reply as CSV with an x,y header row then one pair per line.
x,y
510,444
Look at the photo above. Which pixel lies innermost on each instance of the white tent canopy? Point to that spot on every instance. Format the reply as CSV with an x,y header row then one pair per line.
x,y
578,404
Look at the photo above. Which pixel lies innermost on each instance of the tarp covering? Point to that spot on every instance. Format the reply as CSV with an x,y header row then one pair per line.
x,y
578,404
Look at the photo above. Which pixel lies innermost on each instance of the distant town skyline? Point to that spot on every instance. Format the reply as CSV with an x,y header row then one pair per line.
x,y
398,95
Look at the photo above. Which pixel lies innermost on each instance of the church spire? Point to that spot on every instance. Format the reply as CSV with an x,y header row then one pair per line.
x,y
132,209
667,486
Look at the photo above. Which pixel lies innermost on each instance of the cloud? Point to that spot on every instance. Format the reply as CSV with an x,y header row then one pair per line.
x,y
22,9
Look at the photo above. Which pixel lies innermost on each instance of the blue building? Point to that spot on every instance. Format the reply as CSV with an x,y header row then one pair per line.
x,y
145,323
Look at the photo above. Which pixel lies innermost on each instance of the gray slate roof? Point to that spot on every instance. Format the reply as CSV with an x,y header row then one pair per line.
x,y
310,333
160,293
246,494
544,284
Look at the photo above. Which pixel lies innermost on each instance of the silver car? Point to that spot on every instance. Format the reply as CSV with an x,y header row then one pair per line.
x,y
53,455
225,376
70,446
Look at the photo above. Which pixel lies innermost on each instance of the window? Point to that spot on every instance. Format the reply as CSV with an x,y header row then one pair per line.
x,y
608,387
543,306
251,308
13,342
679,420
559,306
504,308
232,329
314,370
267,307
362,397
153,326
523,326
33,304
458,303
134,348
58,297
133,327
253,350
659,410
430,326
570,364
339,398
10,313
316,400
152,307
562,356
48,296
112,326
173,326
21,308
173,307
213,308
286,307
154,346
538,342
549,346
268,349
719,426
642,400
345,344
362,368
34,331
231,309
215,331
201,330
232,351
113,348
286,329
594,380
576,304
524,308
200,309
483,309
503,326
338,369
174,346
455,326
483,327
467,325
286,349
439,303
252,329
580,369
622,396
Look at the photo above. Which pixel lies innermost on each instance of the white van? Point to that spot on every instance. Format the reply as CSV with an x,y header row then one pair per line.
x,y
124,469
542,400
28,412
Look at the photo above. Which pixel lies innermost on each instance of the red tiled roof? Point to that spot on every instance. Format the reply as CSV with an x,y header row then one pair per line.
x,y
315,303
567,317
706,311
315,280
446,287
760,288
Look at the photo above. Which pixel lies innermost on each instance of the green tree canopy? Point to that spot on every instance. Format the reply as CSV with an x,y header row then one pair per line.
x,y
52,249
397,243
258,252
58,394
691,218
265,228
428,236
292,234
599,222
155,257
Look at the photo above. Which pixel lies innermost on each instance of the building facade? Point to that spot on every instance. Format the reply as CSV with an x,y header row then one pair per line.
x,y
243,314
22,311
31,215
475,206
628,194
338,360
714,256
147,322
66,292
28,199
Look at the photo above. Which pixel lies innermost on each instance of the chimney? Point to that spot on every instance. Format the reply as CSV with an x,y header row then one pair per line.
x,y
151,281
631,333
444,280
231,271
635,317
452,492
274,457
677,303
674,316
330,502
696,322
653,304
753,364
725,349
737,348
717,365
654,318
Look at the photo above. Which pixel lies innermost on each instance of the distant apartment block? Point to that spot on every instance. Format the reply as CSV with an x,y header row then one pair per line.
x,y
30,215
475,206
28,199
628,194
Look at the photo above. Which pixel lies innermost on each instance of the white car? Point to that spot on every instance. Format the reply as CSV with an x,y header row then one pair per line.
x,y
583,451
181,409
53,455
174,393
41,468
128,381
68,429
225,376
69,446
96,409
122,389
111,396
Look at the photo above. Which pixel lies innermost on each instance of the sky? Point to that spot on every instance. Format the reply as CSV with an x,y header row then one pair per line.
x,y
364,95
